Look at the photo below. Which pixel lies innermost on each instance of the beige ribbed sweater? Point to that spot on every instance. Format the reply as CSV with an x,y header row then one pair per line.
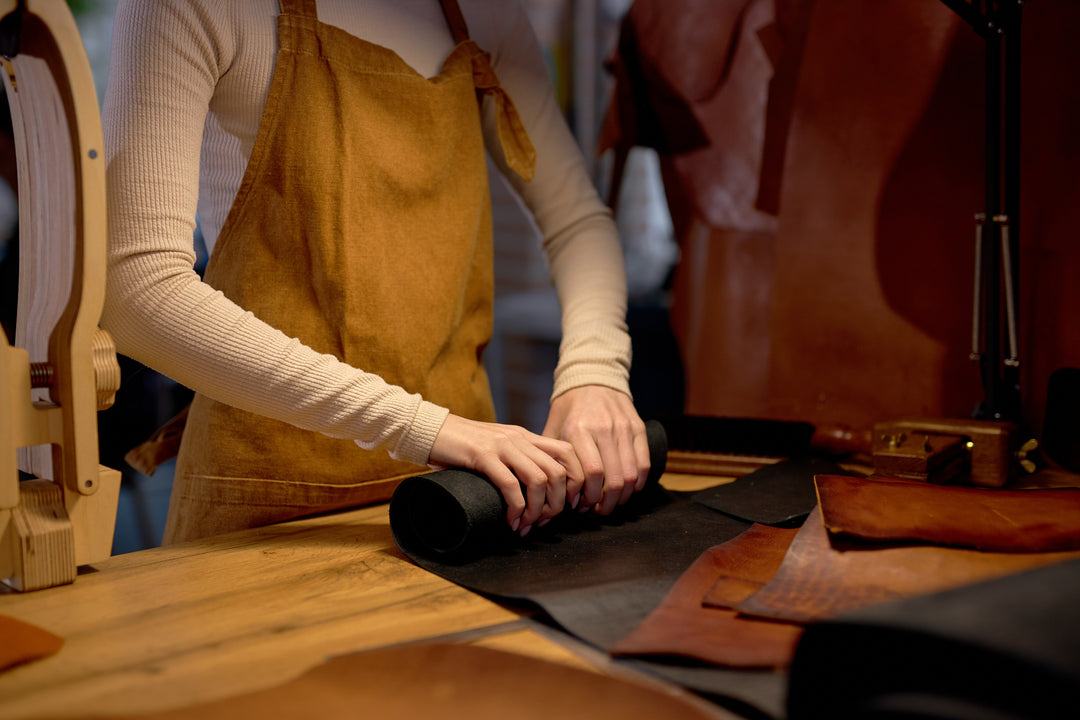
x,y
187,84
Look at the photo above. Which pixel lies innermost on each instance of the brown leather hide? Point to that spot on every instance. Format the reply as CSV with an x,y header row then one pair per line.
x,y
817,580
687,624
882,509
855,306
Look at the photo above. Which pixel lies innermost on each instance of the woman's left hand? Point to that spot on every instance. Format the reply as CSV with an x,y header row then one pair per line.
x,y
608,438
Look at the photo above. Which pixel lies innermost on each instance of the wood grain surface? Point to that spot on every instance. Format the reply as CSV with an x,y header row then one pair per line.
x,y
168,627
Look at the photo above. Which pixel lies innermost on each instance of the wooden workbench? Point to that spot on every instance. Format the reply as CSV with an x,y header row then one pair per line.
x,y
176,626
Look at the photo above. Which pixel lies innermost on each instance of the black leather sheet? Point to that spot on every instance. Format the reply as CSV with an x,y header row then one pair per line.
x,y
1005,649
596,578
781,495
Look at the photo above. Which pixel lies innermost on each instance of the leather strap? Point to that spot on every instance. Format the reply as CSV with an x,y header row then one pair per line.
x,y
456,20
304,8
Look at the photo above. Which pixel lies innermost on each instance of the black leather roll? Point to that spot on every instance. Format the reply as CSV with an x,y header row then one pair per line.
x,y
453,515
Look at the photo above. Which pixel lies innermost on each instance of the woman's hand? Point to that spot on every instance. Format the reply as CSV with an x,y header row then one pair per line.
x,y
608,437
513,458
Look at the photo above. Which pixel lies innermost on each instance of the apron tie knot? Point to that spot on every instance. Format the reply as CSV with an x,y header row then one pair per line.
x,y
516,145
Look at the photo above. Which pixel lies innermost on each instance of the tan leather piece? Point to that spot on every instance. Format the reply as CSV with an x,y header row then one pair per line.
x,y
21,642
683,625
450,682
160,447
818,581
980,518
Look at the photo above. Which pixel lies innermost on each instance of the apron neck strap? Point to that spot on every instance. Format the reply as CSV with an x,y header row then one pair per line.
x,y
304,8
456,20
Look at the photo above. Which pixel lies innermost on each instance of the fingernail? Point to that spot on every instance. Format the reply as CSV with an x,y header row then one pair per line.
x,y
525,530
575,500
543,522
517,521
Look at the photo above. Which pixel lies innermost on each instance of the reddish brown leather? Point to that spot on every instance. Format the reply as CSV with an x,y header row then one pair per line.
x,y
979,518
692,81
683,625
865,313
818,581
746,563
1049,253
450,682
22,642
720,312
667,59
872,305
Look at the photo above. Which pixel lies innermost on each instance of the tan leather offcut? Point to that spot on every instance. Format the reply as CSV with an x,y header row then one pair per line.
x,y
23,642
452,682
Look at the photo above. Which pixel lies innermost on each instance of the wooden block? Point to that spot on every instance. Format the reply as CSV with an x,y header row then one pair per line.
x,y
916,455
93,518
991,444
43,538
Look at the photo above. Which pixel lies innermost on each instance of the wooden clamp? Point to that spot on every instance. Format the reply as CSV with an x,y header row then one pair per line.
x,y
63,368
975,452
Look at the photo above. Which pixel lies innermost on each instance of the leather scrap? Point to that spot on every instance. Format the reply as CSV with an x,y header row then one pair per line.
x,y
23,643
747,563
817,581
451,682
163,445
685,626
882,509
781,494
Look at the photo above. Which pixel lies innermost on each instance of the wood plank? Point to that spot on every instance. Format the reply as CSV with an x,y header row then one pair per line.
x,y
178,625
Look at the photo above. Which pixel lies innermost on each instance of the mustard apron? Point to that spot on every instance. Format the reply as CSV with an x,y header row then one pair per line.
x,y
362,227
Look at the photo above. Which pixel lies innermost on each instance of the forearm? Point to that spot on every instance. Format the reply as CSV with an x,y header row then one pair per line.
x,y
165,67
186,330
579,235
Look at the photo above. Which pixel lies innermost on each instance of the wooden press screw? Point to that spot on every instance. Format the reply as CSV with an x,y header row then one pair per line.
x,y
41,375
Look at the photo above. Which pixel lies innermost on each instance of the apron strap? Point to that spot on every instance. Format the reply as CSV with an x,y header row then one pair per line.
x,y
304,8
456,20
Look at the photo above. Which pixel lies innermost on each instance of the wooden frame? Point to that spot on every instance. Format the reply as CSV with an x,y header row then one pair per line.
x,y
65,516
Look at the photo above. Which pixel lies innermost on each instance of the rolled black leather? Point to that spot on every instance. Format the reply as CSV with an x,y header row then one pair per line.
x,y
455,513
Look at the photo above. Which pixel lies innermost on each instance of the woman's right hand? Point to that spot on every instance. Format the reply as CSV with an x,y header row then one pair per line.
x,y
513,459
